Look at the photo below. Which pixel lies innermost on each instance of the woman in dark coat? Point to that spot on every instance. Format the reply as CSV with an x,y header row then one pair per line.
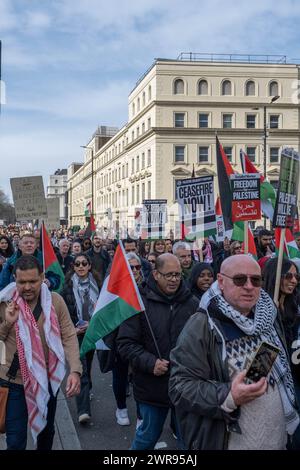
x,y
201,278
6,249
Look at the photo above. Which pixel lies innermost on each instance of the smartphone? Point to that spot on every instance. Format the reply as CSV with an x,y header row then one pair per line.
x,y
262,362
81,323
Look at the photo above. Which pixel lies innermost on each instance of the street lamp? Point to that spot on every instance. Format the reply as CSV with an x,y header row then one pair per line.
x,y
92,150
275,98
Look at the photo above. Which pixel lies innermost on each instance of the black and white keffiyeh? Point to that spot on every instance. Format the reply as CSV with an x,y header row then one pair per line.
x,y
262,325
83,287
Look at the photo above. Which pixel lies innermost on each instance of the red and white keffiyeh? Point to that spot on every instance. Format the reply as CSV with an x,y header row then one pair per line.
x,y
32,359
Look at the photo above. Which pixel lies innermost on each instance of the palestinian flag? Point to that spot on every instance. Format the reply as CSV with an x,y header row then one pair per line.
x,y
88,210
267,191
224,171
239,235
119,300
50,262
291,249
91,228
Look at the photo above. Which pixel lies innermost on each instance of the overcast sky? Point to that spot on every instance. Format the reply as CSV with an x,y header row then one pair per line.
x,y
69,65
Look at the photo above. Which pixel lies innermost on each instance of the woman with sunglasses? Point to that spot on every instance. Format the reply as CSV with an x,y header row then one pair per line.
x,y
151,257
289,304
81,292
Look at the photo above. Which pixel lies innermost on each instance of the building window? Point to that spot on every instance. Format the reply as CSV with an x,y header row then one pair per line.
x,y
203,120
132,165
203,87
144,98
149,189
133,109
228,152
149,157
251,120
274,154
179,119
273,88
250,88
138,163
56,182
138,104
126,170
274,121
149,122
178,87
179,153
137,193
227,121
132,135
226,87
251,152
56,191
143,128
203,155
132,195
143,191
137,132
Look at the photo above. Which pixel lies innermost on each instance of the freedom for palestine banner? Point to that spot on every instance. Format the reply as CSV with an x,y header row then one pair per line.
x,y
195,197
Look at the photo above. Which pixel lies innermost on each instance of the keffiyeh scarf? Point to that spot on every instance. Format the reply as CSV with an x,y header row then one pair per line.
x,y
262,325
31,355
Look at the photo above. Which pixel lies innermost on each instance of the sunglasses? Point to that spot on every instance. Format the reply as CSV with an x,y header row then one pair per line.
x,y
137,268
81,263
240,280
289,276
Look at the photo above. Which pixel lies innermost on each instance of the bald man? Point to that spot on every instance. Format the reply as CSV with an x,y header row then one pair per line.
x,y
216,405
145,340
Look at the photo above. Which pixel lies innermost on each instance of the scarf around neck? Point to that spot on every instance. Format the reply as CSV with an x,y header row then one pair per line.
x,y
35,374
80,288
262,325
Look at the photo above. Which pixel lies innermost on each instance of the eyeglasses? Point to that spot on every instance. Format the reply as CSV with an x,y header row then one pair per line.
x,y
81,263
151,261
240,280
169,276
237,247
289,276
137,268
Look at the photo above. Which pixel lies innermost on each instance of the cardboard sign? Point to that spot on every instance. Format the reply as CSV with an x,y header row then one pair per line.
x,y
245,197
29,198
286,201
53,220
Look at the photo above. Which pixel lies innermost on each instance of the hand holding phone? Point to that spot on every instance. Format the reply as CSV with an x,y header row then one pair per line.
x,y
262,362
82,324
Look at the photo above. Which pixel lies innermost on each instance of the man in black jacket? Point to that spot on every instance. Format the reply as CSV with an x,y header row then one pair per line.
x,y
99,257
216,406
146,341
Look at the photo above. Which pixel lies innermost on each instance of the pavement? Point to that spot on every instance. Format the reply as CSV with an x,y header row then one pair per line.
x,y
65,438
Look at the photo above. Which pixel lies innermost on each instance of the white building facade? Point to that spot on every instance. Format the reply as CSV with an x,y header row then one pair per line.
x,y
175,112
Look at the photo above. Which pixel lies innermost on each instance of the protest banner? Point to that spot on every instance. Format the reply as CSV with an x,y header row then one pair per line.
x,y
29,198
245,197
154,218
195,197
52,221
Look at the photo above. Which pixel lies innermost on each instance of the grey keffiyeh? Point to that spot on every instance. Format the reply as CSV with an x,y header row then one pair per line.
x,y
262,325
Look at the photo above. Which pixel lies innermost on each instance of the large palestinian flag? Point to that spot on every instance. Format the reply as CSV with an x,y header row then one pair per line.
x,y
50,262
119,300
291,249
239,235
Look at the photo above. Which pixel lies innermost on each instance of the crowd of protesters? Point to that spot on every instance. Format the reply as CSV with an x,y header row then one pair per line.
x,y
207,312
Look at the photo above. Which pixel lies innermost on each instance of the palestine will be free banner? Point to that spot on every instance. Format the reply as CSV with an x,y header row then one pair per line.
x,y
245,197
195,197
286,200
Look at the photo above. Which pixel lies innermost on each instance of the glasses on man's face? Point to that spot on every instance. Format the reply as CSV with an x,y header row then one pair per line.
x,y
136,267
169,276
289,276
151,261
81,263
240,280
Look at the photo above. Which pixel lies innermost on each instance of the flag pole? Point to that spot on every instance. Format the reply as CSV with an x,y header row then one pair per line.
x,y
279,265
246,239
153,337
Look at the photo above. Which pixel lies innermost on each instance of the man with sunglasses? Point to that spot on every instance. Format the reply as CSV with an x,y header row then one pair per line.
x,y
145,340
216,405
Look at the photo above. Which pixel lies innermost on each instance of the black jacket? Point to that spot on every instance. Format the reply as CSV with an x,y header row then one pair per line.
x,y
167,317
200,383
69,297
99,263
65,263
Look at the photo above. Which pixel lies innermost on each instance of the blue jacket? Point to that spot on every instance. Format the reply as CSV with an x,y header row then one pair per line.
x,y
6,275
